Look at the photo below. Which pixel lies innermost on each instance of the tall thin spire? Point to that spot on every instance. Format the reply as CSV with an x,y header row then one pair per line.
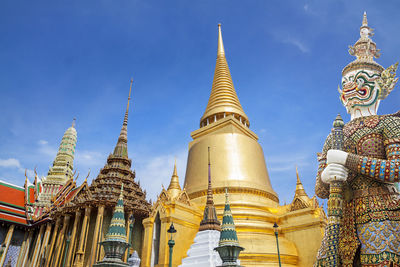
x,y
223,100
121,148
210,219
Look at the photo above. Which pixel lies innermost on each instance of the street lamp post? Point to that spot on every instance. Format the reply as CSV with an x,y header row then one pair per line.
x,y
171,242
277,242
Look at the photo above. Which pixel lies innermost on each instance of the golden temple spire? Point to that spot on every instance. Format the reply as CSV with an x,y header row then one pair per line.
x,y
121,148
299,186
223,100
174,188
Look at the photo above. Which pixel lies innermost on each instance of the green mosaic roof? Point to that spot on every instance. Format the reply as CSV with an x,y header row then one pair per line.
x,y
228,231
117,230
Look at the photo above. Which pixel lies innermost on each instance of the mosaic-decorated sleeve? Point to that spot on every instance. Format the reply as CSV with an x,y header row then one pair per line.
x,y
385,170
321,188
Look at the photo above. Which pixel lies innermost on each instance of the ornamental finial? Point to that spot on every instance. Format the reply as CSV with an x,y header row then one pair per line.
x,y
73,122
221,50
365,21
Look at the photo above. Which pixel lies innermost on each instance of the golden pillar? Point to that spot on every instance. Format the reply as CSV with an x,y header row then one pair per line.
x,y
95,245
7,242
80,254
148,225
60,241
128,233
45,242
37,246
49,251
26,250
73,238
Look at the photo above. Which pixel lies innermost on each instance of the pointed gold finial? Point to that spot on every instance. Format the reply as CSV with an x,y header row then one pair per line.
x,y
297,174
175,173
299,186
365,21
221,50
223,99
174,188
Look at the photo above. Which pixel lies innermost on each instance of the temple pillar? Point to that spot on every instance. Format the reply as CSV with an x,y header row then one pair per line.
x,y
26,250
45,242
50,249
148,224
80,254
73,238
6,243
95,245
60,241
37,246
128,235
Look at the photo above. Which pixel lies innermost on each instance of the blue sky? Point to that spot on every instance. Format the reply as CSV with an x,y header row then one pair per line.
x,y
65,59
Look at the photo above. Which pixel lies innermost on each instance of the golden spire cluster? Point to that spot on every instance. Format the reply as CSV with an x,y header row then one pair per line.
x,y
223,100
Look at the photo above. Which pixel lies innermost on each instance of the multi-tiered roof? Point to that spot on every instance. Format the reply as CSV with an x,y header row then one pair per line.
x,y
106,187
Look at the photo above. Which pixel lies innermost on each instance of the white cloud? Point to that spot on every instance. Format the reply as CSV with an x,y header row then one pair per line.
x,y
89,158
154,171
10,163
42,142
297,43
306,7
15,164
283,163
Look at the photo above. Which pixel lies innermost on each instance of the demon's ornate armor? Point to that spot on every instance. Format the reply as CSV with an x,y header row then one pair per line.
x,y
371,209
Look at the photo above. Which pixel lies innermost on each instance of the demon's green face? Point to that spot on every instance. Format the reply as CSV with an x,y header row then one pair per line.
x,y
359,89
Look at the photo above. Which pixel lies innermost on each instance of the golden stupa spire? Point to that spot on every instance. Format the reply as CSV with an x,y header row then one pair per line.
x,y
174,188
299,186
121,148
174,184
223,100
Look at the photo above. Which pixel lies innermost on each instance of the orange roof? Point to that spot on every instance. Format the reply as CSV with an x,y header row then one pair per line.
x,y
12,195
12,203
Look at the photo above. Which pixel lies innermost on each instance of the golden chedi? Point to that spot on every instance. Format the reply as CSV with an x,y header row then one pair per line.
x,y
239,165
